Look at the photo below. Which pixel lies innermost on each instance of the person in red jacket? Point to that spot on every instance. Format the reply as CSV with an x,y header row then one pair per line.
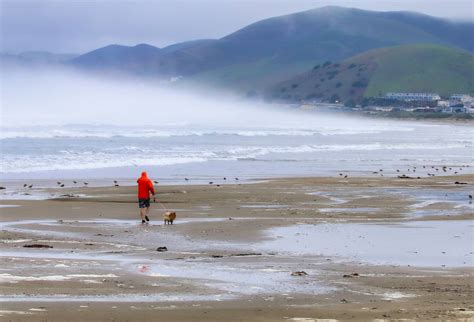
x,y
145,187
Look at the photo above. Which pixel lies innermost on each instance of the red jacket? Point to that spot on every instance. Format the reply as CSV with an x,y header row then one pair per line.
x,y
145,186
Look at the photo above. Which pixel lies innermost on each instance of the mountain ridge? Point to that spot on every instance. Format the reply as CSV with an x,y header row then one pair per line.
x,y
272,50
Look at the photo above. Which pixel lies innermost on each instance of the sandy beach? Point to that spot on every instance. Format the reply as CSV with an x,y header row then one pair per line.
x,y
296,249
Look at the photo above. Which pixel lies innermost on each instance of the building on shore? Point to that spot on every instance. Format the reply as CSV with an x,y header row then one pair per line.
x,y
457,109
443,103
408,97
461,100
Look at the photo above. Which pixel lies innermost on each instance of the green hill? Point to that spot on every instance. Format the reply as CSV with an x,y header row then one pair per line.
x,y
275,49
408,68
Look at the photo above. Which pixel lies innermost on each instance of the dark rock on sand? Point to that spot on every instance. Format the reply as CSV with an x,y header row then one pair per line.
x,y
69,195
299,273
162,249
351,275
37,246
406,177
246,254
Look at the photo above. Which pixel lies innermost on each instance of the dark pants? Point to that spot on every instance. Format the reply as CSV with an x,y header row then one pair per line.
x,y
144,203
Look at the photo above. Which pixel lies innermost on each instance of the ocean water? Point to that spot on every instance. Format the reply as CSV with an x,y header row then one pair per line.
x,y
171,153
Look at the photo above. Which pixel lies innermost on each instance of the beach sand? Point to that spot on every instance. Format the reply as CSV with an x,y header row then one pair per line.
x,y
371,248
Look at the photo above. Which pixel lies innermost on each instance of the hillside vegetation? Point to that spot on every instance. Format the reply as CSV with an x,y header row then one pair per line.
x,y
408,68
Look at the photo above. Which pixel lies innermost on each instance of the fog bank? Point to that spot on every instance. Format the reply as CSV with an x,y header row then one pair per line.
x,y
57,97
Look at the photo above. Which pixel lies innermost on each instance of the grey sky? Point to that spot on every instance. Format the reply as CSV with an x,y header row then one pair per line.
x,y
71,26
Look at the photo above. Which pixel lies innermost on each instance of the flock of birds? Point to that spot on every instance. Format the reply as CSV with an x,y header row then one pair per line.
x,y
59,183
430,173
218,185
116,183
401,174
431,170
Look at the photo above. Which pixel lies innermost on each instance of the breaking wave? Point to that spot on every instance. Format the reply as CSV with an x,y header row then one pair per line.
x,y
125,156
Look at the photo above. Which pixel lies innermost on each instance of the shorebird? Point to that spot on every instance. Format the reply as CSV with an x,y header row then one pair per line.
x,y
74,182
225,178
210,182
470,196
345,176
86,183
25,185
62,185
340,174
115,181
117,185
59,182
398,170
155,182
186,179
236,179
30,186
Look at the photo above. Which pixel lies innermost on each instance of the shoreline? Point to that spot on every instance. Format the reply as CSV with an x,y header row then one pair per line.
x,y
51,179
442,118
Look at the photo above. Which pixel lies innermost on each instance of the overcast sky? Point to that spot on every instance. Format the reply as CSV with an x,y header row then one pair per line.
x,y
72,26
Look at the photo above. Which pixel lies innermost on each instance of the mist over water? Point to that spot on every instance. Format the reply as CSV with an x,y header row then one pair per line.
x,y
64,123
60,96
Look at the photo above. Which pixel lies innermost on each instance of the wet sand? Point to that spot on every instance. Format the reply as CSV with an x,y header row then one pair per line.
x,y
372,248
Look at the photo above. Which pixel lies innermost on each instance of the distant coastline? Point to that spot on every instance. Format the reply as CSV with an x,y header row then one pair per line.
x,y
378,112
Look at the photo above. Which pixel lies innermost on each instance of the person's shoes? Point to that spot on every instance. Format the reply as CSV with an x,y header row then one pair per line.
x,y
143,221
147,219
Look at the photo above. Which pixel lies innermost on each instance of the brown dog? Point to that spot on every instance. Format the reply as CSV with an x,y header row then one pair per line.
x,y
169,217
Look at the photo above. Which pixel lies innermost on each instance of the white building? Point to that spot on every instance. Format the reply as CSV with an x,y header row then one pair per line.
x,y
460,99
443,103
426,97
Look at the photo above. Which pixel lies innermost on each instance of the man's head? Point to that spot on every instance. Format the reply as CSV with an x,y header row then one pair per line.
x,y
144,174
